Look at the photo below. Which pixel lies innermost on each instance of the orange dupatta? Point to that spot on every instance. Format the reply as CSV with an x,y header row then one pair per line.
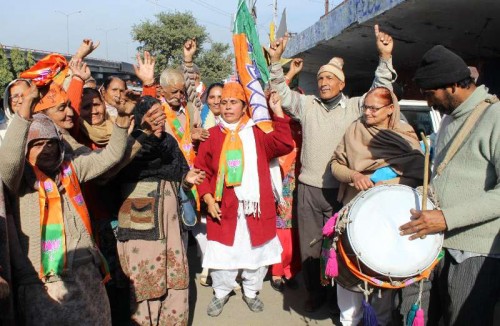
x,y
181,133
183,136
53,237
231,162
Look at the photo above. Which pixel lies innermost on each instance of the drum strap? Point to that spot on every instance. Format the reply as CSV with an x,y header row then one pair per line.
x,y
465,131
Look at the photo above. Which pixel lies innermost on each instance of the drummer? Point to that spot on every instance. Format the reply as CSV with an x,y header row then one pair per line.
x,y
376,149
466,282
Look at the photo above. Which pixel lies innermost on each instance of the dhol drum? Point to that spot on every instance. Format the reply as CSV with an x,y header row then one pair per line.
x,y
370,246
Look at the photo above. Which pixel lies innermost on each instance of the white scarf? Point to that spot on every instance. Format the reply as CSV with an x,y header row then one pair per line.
x,y
248,193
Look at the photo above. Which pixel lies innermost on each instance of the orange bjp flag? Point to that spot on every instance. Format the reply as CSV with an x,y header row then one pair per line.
x,y
51,68
248,77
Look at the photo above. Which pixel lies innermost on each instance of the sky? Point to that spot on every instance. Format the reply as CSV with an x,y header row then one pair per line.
x,y
41,25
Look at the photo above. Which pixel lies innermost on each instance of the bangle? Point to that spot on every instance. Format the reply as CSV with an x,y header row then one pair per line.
x,y
78,76
188,61
149,85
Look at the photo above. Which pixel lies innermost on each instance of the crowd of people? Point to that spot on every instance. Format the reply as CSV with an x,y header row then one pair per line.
x,y
98,184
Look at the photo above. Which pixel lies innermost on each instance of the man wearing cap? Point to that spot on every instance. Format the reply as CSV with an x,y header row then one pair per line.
x,y
324,120
466,182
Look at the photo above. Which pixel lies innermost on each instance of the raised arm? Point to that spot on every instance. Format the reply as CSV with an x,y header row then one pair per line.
x,y
385,74
291,101
97,163
86,48
279,142
80,72
145,71
151,123
12,151
189,49
295,68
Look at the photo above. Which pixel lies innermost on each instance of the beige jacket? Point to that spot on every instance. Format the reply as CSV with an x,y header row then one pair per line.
x,y
26,211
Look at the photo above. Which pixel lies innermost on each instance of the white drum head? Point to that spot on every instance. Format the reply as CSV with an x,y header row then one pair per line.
x,y
373,232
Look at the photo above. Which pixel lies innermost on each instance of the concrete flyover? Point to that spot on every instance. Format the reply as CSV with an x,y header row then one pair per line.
x,y
469,28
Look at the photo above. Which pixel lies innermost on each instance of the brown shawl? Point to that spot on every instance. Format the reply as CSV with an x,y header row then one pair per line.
x,y
365,149
98,134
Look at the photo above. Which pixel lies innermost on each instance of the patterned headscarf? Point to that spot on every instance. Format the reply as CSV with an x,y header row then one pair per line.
x,y
43,128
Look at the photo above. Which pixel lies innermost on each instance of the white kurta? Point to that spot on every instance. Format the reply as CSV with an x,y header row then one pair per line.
x,y
241,255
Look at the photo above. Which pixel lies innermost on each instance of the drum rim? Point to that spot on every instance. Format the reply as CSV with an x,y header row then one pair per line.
x,y
440,236
398,284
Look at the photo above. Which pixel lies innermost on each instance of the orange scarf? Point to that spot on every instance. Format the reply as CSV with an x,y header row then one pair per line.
x,y
51,68
231,162
53,237
181,133
183,136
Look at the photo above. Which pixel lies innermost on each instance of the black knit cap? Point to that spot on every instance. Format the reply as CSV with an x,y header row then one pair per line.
x,y
440,67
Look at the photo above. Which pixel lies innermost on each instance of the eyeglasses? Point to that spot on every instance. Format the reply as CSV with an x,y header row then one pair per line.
x,y
372,108
16,97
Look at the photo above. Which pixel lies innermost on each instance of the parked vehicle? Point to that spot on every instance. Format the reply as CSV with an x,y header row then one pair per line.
x,y
420,116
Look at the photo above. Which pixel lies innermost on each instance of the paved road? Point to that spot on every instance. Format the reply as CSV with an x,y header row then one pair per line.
x,y
280,308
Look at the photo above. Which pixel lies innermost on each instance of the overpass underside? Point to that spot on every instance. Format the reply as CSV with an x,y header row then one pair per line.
x,y
469,28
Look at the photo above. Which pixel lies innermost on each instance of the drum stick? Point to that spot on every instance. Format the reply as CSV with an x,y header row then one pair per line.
x,y
426,173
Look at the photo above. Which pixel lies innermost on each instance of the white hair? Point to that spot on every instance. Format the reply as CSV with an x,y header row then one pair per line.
x,y
170,77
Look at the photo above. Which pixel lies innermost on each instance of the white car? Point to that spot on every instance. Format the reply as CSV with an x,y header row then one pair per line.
x,y
420,116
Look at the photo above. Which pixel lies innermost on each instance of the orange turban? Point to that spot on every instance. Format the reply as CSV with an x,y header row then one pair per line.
x,y
52,67
55,96
233,90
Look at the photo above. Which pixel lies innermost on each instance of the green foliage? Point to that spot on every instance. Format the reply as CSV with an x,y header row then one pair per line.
x,y
18,60
6,74
164,38
216,63
30,59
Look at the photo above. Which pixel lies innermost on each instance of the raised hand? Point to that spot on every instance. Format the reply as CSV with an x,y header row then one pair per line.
x,y
384,42
29,99
275,104
127,103
79,69
86,48
277,48
296,65
295,68
145,69
189,49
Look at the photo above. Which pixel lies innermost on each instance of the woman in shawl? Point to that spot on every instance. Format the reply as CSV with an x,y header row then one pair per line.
x,y
55,261
95,125
239,194
376,149
149,235
95,129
